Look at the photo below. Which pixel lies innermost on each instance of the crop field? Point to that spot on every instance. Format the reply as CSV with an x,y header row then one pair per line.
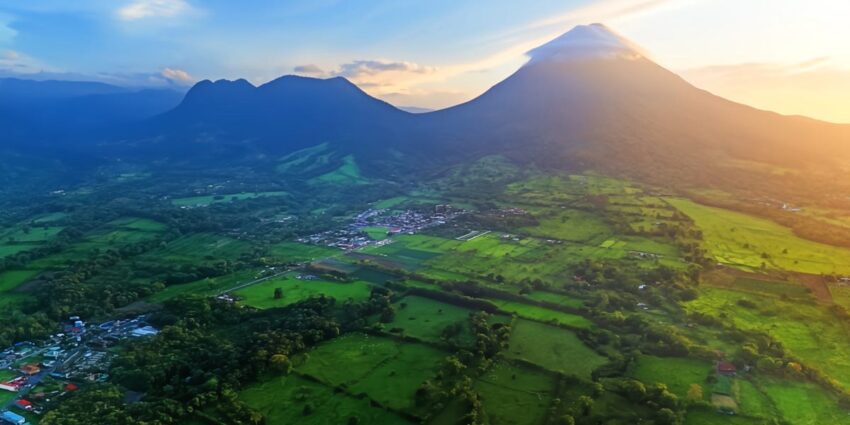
x,y
541,314
386,370
748,242
515,395
195,248
295,252
553,348
570,225
425,319
804,403
19,239
292,399
206,200
678,373
261,295
807,330
556,298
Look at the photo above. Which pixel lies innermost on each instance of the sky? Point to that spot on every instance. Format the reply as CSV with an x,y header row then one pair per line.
x,y
790,56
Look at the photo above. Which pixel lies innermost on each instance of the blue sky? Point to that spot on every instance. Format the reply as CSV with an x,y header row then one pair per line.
x,y
431,53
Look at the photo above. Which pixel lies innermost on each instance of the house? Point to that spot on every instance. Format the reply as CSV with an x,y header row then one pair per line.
x,y
726,369
69,387
14,385
12,418
24,405
30,369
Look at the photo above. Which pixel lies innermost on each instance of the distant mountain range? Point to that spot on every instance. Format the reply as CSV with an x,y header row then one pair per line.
x,y
589,99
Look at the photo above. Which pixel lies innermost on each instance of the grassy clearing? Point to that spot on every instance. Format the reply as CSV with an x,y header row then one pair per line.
x,y
204,287
678,373
261,295
377,233
555,298
285,399
347,174
807,330
515,395
206,200
425,319
11,279
552,348
386,370
196,248
541,314
749,242
709,416
570,225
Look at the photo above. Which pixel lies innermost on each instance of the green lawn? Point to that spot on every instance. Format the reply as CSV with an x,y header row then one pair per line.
x,y
804,403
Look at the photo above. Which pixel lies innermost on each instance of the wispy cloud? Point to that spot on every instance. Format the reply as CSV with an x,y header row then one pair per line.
x,y
309,69
177,76
145,9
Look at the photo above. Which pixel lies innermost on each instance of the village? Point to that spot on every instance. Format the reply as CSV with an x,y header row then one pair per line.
x,y
363,230
33,376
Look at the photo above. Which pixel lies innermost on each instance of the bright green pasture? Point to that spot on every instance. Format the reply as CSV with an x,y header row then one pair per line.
x,y
285,399
678,373
377,233
541,314
556,298
295,252
742,240
202,201
570,225
710,416
804,403
30,235
807,330
553,348
425,319
384,369
515,395
261,295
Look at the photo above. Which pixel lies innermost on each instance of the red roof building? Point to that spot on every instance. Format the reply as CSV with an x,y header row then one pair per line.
x,y
70,387
726,368
24,404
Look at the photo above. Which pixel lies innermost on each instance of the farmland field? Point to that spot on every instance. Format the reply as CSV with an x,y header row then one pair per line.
x,y
261,295
552,348
285,399
541,314
745,241
514,395
425,319
677,373
386,370
804,328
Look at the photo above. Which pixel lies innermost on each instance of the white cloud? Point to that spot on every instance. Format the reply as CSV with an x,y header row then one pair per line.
x,y
143,9
178,76
11,55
